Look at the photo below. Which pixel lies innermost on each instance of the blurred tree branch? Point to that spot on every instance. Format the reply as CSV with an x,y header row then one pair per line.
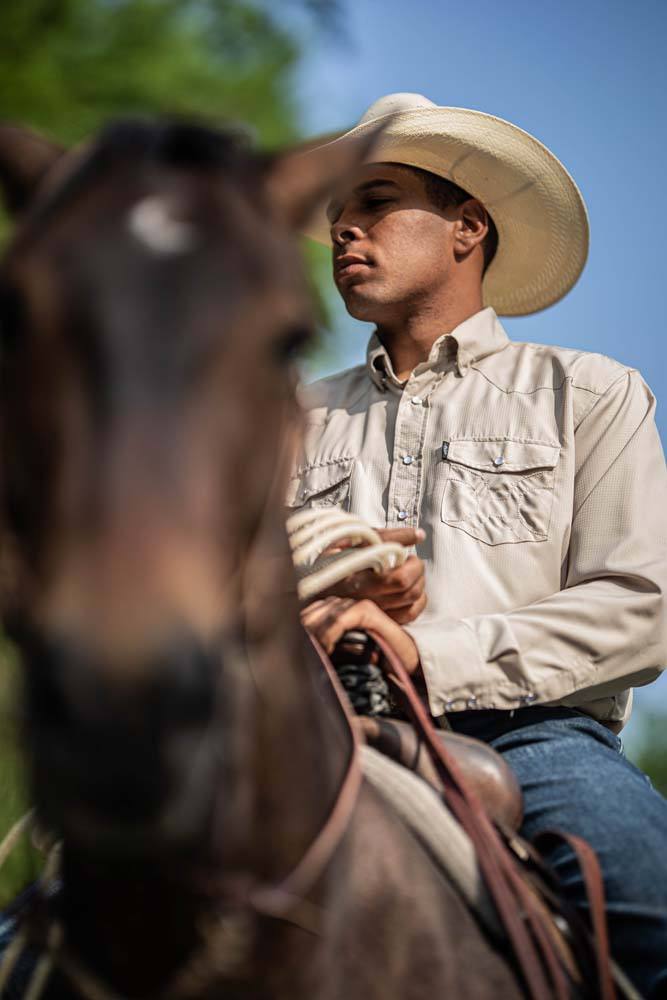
x,y
67,66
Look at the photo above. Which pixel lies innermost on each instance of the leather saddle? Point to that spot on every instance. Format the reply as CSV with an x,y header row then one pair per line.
x,y
482,767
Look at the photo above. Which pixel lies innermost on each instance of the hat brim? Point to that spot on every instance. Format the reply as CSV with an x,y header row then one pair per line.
x,y
538,210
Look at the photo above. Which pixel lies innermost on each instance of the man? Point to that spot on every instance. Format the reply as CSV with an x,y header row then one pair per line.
x,y
530,478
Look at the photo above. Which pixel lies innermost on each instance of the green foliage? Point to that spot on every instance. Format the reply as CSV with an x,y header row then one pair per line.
x,y
68,65
25,862
651,756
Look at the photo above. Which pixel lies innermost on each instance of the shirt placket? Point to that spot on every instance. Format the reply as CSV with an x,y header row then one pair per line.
x,y
407,459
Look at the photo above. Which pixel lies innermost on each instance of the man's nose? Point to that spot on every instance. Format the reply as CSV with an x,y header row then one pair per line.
x,y
343,231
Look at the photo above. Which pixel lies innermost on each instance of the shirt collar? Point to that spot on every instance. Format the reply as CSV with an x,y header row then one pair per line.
x,y
476,338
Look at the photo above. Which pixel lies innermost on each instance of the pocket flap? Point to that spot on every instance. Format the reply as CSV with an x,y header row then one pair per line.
x,y
502,456
314,479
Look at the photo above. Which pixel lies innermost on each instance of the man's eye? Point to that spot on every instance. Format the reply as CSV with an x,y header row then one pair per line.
x,y
374,202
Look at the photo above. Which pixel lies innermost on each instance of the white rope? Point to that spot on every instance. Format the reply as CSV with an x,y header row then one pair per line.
x,y
313,536
324,538
331,570
306,522
299,534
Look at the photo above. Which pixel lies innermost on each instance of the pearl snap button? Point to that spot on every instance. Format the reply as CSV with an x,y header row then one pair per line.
x,y
499,461
416,401
408,460
402,515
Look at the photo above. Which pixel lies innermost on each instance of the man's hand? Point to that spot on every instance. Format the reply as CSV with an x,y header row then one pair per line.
x,y
399,592
330,618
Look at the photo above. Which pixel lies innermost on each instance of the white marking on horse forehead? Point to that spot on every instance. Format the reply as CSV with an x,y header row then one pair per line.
x,y
154,223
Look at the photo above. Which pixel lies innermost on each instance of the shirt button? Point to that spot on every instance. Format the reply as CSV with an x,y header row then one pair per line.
x,y
471,702
499,461
402,515
408,460
528,698
416,401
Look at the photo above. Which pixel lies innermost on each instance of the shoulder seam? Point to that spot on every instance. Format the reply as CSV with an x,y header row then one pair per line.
x,y
599,395
556,388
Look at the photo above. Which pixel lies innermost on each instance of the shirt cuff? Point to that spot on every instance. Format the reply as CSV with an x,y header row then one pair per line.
x,y
452,664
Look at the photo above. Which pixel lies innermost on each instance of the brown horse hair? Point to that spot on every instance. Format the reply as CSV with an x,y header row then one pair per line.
x,y
180,732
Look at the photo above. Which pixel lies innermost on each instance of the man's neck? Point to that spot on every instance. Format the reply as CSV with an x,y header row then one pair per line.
x,y
409,339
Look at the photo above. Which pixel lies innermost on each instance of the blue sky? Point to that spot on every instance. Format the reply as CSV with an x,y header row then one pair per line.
x,y
589,79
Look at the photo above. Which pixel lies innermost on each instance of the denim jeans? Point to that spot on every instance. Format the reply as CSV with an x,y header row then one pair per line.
x,y
575,777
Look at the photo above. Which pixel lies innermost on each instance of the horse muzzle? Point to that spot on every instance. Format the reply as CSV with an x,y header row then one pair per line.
x,y
125,759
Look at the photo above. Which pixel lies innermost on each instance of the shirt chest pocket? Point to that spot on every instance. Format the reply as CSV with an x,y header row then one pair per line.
x,y
325,485
499,491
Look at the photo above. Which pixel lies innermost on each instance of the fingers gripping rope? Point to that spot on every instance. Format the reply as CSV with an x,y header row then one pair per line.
x,y
315,537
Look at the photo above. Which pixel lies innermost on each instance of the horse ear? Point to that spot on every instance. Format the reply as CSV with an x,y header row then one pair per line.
x,y
25,158
298,179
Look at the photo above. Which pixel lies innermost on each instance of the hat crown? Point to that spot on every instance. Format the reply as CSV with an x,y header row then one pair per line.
x,y
395,103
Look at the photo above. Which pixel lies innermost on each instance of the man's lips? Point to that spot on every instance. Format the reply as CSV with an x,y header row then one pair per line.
x,y
350,264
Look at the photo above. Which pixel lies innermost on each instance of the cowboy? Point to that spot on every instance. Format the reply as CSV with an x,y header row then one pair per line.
x,y
530,479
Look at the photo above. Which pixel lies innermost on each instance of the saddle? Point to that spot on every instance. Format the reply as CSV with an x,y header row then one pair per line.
x,y
482,767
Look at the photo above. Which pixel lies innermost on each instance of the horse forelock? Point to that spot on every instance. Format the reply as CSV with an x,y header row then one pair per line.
x,y
141,144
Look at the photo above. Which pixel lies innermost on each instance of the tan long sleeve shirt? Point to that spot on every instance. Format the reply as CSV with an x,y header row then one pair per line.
x,y
538,475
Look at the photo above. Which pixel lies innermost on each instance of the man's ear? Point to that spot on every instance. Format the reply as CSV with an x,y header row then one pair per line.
x,y
472,226
298,179
25,158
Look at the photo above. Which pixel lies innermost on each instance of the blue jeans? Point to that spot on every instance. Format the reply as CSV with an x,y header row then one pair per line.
x,y
575,777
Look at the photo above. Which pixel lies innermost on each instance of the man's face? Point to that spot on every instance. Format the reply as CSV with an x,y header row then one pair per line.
x,y
391,246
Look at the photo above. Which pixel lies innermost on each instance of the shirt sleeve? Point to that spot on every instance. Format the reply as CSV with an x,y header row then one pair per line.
x,y
605,629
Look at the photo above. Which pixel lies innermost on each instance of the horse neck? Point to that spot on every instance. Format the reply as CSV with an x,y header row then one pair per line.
x,y
302,750
301,740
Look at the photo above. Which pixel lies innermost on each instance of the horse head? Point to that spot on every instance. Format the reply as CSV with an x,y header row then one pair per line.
x,y
152,303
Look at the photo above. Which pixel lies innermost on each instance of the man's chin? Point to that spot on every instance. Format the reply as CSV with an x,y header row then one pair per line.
x,y
365,307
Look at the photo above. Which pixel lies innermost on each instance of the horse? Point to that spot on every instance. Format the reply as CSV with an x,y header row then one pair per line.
x,y
183,739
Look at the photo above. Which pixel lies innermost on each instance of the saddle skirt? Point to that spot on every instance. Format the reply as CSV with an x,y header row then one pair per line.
x,y
427,817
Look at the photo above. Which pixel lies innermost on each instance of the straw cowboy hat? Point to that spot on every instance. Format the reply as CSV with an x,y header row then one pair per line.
x,y
538,210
